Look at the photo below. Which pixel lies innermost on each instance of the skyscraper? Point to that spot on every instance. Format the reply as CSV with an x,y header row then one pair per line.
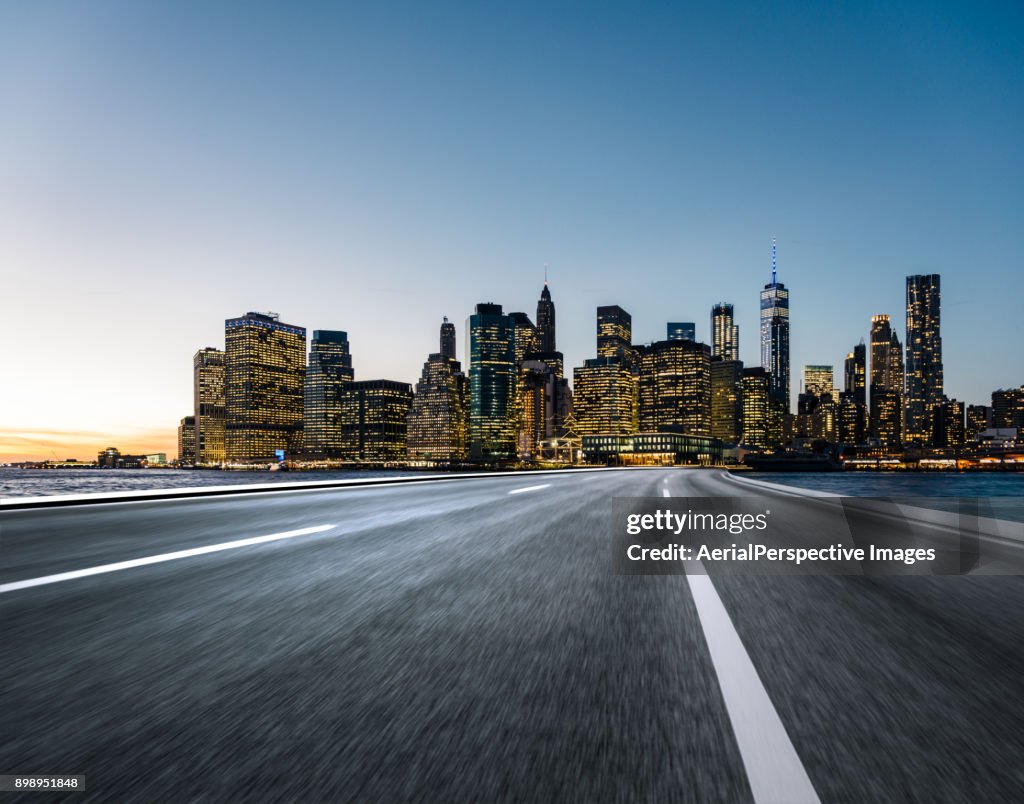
x,y
1008,408
886,383
675,387
208,406
755,407
856,374
437,420
373,416
725,335
447,339
492,379
546,321
614,331
330,368
775,338
186,443
924,384
264,370
605,397
681,331
818,380
727,400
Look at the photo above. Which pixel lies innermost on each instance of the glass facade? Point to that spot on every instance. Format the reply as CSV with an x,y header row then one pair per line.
x,y
614,331
329,369
886,384
924,383
725,335
186,443
755,408
492,384
373,418
855,374
605,397
209,406
675,387
727,400
775,341
681,331
437,420
657,449
264,372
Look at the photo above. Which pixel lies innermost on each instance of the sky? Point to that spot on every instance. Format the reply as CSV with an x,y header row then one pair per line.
x,y
374,167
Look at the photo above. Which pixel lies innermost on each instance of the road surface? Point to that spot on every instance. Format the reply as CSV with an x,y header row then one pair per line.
x,y
467,641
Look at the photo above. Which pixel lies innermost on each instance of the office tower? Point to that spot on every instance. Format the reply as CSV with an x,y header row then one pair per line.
x,y
950,429
978,419
492,384
372,419
447,339
818,380
545,321
605,397
264,372
725,335
851,419
681,331
186,444
1008,408
886,383
208,406
614,331
756,393
856,374
924,357
544,401
330,367
675,387
775,338
524,336
727,400
437,421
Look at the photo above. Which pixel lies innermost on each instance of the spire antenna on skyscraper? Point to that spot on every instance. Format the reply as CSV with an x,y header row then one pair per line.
x,y
773,261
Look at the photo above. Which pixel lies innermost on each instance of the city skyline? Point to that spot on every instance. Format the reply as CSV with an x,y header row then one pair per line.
x,y
386,166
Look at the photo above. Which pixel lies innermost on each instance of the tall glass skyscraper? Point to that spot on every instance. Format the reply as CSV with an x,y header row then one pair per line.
x,y
924,358
447,339
725,335
208,406
492,384
330,368
855,374
775,338
264,372
437,419
546,321
675,387
886,383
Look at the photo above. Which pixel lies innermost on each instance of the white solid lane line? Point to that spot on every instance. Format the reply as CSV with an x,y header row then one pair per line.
x,y
158,559
529,488
774,770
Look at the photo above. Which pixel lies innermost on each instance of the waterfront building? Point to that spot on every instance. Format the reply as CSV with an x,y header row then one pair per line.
x,y
492,384
681,331
775,339
725,335
727,400
851,419
886,384
924,381
372,417
438,418
186,446
755,407
208,406
675,387
605,397
651,449
977,420
328,370
1008,408
264,373
950,430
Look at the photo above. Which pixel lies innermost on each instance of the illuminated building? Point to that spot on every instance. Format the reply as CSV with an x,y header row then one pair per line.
x,y
675,387
614,332
725,335
755,407
264,370
330,367
1008,408
727,400
775,339
856,374
605,397
886,383
651,449
208,399
372,417
681,331
924,357
186,442
851,419
818,380
546,321
978,419
492,384
437,426
949,425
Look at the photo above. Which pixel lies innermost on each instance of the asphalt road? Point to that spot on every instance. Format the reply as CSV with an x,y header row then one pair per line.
x,y
467,641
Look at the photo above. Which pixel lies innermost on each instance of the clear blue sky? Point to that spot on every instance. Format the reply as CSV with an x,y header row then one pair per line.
x,y
164,167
